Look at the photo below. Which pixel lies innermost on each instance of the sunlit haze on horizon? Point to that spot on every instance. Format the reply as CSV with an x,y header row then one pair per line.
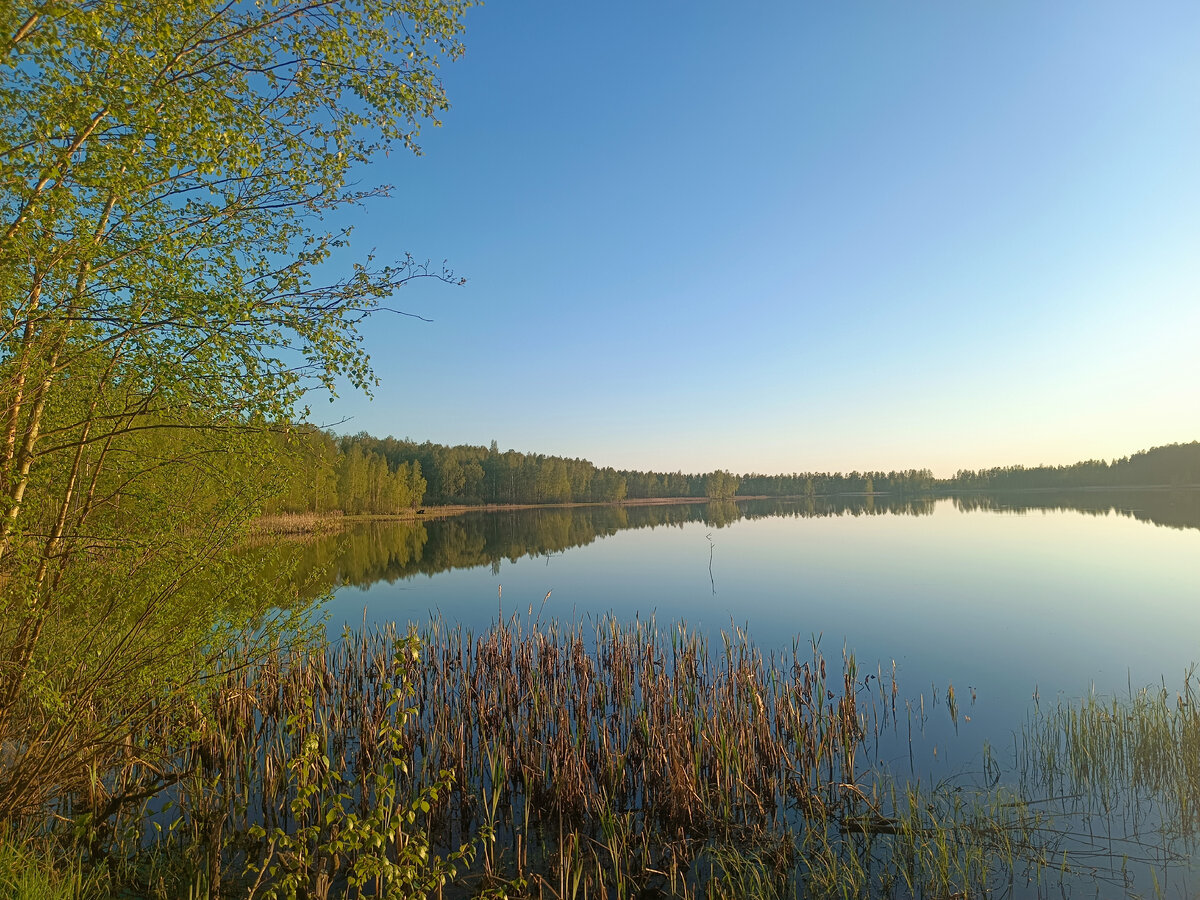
x,y
796,237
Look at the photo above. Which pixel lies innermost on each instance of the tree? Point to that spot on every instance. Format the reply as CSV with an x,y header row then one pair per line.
x,y
449,475
720,485
553,484
164,269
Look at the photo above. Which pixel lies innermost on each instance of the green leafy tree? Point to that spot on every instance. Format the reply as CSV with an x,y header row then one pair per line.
x,y
450,477
553,484
165,293
720,485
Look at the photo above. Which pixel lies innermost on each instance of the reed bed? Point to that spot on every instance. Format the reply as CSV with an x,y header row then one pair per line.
x,y
597,760
1124,772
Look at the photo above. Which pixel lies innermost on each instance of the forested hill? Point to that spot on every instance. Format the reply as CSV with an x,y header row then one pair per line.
x,y
1174,465
361,474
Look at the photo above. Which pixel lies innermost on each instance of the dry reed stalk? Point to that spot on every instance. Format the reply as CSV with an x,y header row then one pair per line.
x,y
574,752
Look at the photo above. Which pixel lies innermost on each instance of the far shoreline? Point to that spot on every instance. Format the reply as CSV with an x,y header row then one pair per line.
x,y
300,523
321,523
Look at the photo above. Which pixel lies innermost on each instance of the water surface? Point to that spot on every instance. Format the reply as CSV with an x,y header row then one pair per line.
x,y
1008,596
1017,601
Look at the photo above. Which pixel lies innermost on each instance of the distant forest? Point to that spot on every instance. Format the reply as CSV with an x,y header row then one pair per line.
x,y
1175,465
360,474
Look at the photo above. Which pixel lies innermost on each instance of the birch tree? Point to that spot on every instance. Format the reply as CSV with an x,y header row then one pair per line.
x,y
165,171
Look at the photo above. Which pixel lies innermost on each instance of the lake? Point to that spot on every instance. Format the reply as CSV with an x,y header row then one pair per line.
x,y
1016,601
1033,595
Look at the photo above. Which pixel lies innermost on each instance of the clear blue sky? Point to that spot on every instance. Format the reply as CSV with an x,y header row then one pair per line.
x,y
801,236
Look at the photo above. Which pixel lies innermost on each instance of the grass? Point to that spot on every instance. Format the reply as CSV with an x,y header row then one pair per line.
x,y
31,870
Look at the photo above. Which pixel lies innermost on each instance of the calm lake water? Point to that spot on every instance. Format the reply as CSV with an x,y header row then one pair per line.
x,y
1024,594
1015,600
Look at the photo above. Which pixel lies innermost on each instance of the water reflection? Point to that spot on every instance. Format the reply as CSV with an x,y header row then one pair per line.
x,y
1170,508
390,551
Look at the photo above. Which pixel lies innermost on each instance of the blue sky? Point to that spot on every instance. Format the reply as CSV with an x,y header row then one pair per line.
x,y
800,236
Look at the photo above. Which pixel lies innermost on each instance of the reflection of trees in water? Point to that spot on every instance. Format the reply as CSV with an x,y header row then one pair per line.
x,y
719,513
389,551
1179,508
850,505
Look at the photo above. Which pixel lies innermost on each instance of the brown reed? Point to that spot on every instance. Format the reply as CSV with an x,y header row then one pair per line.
x,y
580,760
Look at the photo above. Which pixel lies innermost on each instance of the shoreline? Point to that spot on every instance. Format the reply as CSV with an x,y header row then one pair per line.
x,y
331,522
305,523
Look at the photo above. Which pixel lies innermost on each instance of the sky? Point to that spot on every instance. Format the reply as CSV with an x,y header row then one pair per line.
x,y
783,236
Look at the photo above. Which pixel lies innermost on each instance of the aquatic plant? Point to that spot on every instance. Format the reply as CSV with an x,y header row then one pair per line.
x,y
595,759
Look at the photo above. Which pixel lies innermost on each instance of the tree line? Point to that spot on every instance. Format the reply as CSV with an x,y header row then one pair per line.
x,y
1172,465
361,474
